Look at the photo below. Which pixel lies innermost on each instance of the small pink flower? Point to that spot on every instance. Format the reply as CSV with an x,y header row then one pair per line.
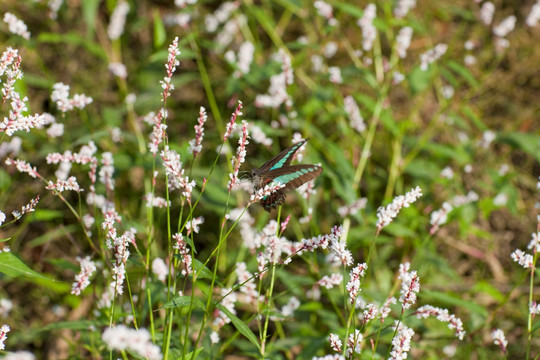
x,y
499,339
82,280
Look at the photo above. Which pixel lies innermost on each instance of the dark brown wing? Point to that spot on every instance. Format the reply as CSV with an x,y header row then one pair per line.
x,y
282,159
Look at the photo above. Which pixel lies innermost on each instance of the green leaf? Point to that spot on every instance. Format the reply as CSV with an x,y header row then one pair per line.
x,y
12,266
529,143
452,300
419,80
4,240
74,325
74,39
463,72
183,301
90,11
240,326
202,271
159,30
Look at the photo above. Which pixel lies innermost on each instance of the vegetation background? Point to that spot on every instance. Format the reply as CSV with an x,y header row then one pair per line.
x,y
465,130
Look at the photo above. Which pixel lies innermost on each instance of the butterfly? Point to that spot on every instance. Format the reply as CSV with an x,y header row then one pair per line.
x,y
279,171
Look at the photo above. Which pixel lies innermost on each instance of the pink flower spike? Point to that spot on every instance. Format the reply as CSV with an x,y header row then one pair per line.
x,y
410,286
284,224
195,146
401,343
386,214
16,26
335,342
444,316
82,280
499,339
24,167
3,335
240,155
232,123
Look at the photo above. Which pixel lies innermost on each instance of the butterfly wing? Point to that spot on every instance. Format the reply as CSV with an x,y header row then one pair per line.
x,y
292,177
282,159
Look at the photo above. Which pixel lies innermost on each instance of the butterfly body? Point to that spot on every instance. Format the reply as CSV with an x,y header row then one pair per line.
x,y
279,171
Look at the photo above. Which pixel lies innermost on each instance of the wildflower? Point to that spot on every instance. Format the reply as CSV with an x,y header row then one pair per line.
x,y
329,282
118,20
397,77
338,248
55,130
12,147
170,66
284,224
410,286
231,125
335,75
534,308
265,191
277,91
245,57
403,7
139,341
214,337
403,41
82,280
385,309
353,343
507,25
193,224
386,214
486,12
181,247
432,55
259,136
118,69
353,286
442,315
447,173
60,95
3,335
160,269
2,217
439,217
447,91
335,342
24,167
5,307
107,170
369,33
325,10
500,200
288,309
221,15
469,60
16,26
228,302
240,155
330,49
155,201
195,145
369,313
499,339
534,244
353,112
523,259
534,15
353,208
249,287
175,173
401,343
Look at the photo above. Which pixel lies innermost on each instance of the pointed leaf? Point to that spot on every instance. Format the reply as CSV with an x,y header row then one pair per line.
x,y
240,326
12,266
183,301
